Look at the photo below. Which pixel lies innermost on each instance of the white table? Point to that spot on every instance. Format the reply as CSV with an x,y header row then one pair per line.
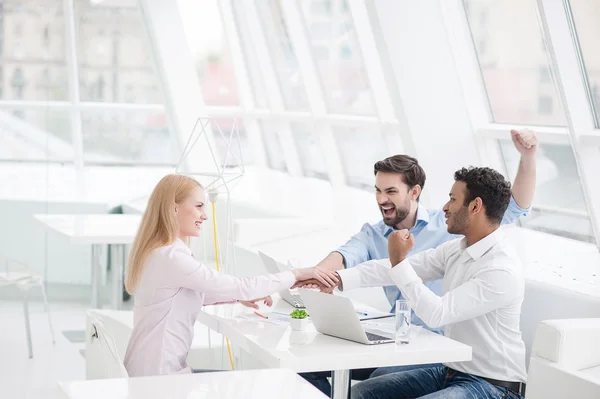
x,y
223,385
97,230
279,347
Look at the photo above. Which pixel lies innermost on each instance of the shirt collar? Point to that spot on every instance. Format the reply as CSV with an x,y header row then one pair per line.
x,y
179,243
482,246
422,216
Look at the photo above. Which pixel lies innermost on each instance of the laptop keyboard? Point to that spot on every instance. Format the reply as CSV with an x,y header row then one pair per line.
x,y
375,337
298,301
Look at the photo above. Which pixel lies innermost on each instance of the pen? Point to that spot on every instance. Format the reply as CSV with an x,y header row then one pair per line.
x,y
261,315
362,313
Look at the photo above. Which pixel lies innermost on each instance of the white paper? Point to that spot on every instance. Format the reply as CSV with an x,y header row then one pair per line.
x,y
277,318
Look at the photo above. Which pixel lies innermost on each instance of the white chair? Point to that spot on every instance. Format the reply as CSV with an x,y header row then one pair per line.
x,y
102,344
565,360
18,274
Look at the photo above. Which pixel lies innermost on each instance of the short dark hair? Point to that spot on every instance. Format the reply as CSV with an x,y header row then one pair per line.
x,y
490,186
407,166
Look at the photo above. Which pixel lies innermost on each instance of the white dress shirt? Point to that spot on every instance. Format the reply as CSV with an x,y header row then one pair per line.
x,y
482,293
171,291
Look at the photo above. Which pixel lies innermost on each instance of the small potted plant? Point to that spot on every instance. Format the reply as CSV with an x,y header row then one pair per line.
x,y
299,319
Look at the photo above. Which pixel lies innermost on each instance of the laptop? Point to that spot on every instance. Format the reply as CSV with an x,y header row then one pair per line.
x,y
335,315
273,266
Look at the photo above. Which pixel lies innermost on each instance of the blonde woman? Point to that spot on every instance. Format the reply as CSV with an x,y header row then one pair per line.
x,y
171,286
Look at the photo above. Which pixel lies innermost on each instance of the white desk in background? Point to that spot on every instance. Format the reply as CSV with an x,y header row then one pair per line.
x,y
277,346
98,230
260,384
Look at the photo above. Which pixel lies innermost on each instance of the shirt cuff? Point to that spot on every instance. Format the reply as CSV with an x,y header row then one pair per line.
x,y
517,208
287,278
350,278
403,274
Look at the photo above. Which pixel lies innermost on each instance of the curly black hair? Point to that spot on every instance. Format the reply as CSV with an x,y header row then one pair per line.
x,y
490,186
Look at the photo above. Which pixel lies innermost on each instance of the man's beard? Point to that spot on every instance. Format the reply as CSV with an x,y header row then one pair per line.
x,y
460,221
401,214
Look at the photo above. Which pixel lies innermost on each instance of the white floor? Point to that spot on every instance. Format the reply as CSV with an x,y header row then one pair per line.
x,y
21,377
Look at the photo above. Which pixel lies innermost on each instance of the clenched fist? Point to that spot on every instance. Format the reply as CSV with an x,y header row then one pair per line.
x,y
400,242
525,141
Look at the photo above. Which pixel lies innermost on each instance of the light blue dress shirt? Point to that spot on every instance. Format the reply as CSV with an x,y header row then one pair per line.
x,y
429,231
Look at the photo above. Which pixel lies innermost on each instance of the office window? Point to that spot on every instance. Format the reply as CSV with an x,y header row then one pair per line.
x,y
283,55
113,53
125,137
545,105
258,90
25,57
336,52
545,76
558,205
370,144
586,15
233,148
35,135
309,150
275,155
512,61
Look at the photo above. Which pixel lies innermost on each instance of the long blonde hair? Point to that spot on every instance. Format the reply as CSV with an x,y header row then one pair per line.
x,y
159,225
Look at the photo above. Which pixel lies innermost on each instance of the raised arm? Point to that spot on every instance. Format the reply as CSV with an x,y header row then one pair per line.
x,y
526,142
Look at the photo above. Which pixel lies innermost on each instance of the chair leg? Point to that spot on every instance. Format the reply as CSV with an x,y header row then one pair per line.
x,y
27,326
47,312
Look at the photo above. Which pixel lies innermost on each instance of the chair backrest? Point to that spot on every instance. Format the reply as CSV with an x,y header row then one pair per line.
x,y
103,343
547,302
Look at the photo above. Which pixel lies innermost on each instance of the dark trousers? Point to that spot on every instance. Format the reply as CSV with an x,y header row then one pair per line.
x,y
319,379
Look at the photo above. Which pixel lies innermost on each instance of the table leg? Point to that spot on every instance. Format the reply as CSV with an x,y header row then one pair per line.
x,y
117,262
27,326
96,252
340,384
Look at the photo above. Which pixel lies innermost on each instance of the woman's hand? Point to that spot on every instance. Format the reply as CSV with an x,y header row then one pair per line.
x,y
327,278
252,304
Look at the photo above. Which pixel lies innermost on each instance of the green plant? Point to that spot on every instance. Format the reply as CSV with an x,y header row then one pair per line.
x,y
299,314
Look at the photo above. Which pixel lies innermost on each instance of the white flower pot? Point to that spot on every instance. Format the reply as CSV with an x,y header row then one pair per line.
x,y
299,324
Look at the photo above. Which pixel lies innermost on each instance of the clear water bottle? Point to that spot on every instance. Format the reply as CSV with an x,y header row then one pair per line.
x,y
403,316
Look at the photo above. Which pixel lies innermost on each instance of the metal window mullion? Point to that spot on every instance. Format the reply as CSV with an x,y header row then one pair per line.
x,y
314,90
73,84
474,90
180,85
402,142
372,60
243,81
274,96
566,61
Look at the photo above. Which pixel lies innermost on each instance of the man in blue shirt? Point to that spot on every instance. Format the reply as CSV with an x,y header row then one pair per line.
x,y
399,181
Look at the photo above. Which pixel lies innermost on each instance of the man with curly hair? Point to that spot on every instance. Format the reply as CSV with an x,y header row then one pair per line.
x,y
480,304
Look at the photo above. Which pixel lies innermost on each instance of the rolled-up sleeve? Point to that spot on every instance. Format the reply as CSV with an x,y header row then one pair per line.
x,y
514,211
356,250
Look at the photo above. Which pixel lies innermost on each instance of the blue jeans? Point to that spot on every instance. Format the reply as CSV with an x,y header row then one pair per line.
x,y
435,382
319,379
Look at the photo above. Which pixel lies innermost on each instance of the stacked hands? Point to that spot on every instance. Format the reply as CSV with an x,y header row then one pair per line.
x,y
318,277
400,242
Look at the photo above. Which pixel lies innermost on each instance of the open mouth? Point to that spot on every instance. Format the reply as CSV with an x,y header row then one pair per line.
x,y
198,224
388,212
